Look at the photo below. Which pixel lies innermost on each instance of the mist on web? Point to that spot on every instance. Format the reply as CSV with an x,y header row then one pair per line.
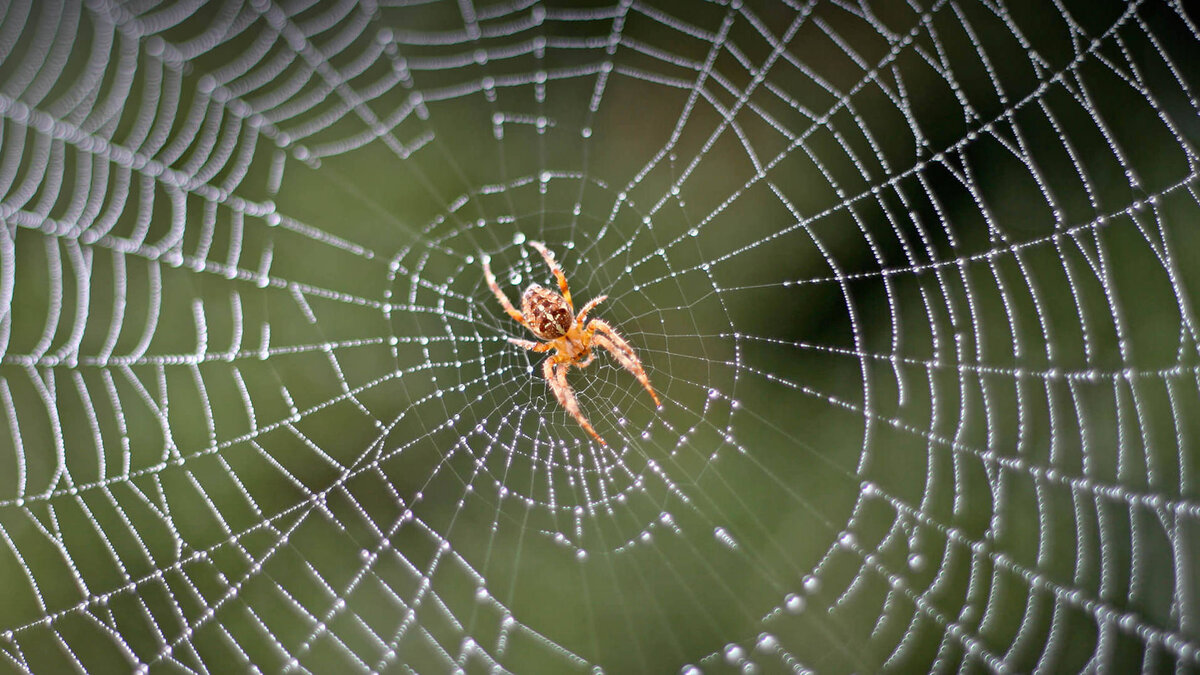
x,y
912,280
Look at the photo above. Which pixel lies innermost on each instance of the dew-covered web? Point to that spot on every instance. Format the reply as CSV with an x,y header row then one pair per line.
x,y
912,279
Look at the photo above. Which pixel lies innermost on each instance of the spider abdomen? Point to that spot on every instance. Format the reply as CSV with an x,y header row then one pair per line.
x,y
546,311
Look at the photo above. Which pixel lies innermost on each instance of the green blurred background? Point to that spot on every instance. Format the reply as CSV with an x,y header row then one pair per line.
x,y
913,281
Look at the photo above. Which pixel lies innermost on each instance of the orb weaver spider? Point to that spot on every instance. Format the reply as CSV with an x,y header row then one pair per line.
x,y
551,317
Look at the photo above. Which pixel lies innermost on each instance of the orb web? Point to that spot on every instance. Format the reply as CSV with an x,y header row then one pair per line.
x,y
912,280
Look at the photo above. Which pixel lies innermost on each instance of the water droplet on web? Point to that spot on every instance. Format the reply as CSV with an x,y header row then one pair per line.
x,y
734,653
767,643
793,603
812,584
722,535
514,279
519,238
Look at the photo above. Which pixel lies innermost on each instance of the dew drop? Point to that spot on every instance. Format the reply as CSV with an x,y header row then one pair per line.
x,y
794,603
734,653
767,643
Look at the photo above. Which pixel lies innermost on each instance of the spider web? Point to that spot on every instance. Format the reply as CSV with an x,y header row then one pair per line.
x,y
912,279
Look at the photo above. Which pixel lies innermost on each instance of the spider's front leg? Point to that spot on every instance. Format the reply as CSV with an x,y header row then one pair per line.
x,y
589,307
556,377
556,270
606,336
531,345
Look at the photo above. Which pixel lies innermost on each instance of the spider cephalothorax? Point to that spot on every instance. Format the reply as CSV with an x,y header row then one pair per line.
x,y
551,317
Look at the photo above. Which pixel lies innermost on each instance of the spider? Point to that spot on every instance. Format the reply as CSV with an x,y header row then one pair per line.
x,y
551,317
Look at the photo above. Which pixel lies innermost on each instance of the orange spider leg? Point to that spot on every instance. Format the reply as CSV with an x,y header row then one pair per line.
x,y
531,345
584,363
589,307
558,273
557,379
604,335
504,301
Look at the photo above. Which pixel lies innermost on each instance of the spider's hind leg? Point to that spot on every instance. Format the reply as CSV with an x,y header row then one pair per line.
x,y
606,336
557,379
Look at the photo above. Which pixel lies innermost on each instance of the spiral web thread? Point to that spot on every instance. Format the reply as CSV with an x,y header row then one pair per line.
x,y
912,279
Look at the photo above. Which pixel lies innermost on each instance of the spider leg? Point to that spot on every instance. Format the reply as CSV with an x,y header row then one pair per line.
x,y
531,345
557,379
589,307
504,301
584,363
558,273
604,335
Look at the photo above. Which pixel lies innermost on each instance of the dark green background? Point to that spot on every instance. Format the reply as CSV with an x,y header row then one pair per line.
x,y
917,297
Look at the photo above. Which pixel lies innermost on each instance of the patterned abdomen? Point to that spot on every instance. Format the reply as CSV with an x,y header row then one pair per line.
x,y
546,311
